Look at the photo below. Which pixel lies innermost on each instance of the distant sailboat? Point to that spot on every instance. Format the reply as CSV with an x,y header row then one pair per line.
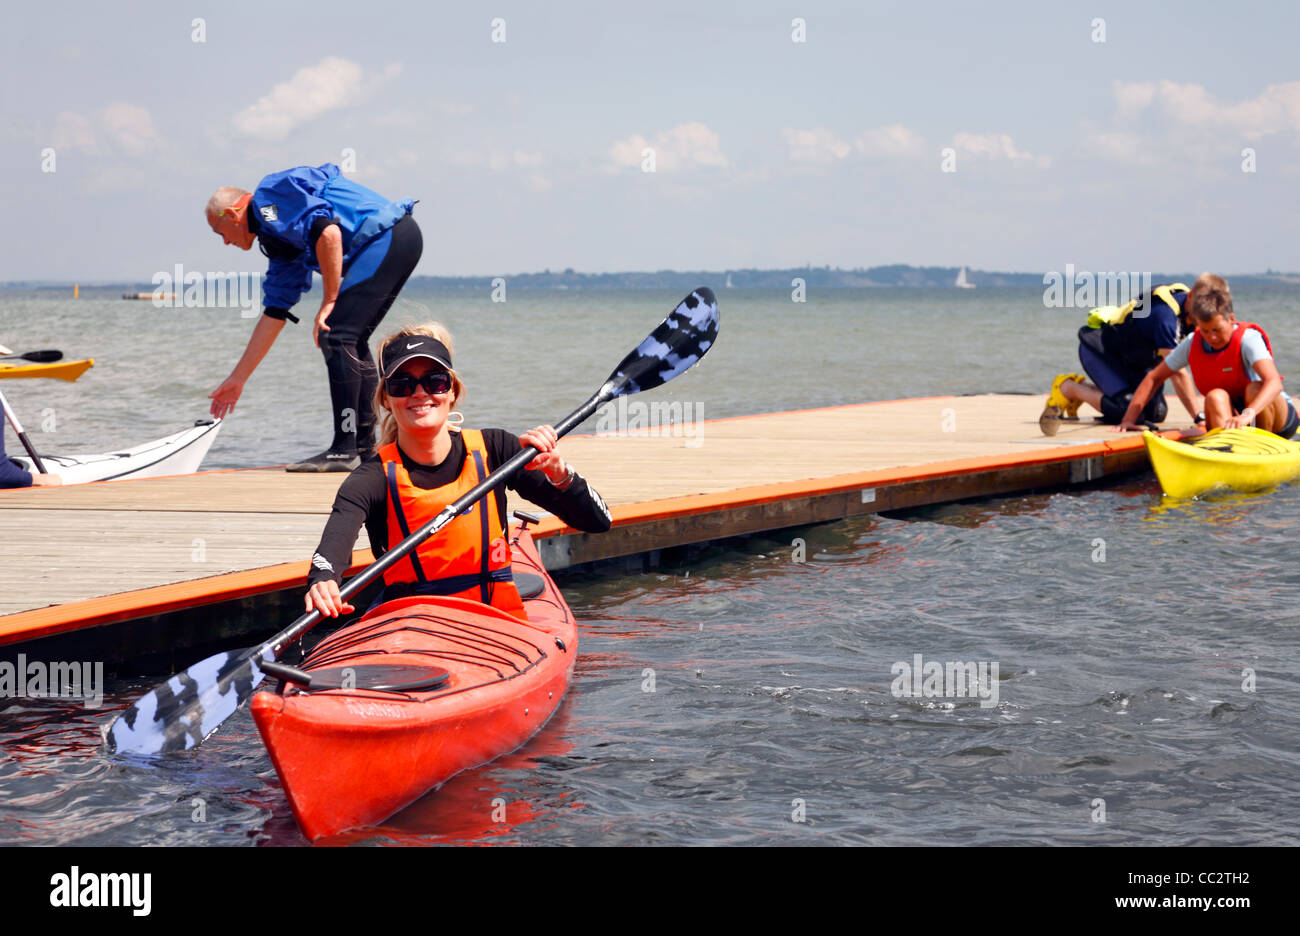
x,y
729,286
961,280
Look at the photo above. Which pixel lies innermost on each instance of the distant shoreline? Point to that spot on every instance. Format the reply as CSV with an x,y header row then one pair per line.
x,y
825,277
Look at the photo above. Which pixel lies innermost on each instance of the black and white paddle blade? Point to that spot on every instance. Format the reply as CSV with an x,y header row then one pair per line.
x,y
39,357
183,711
675,346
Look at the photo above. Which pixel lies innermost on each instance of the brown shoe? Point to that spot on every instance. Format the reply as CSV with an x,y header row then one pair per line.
x,y
1050,421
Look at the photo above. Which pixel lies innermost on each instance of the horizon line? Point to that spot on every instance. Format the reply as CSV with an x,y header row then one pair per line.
x,y
571,272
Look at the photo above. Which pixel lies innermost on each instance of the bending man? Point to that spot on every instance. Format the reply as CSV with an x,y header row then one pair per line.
x,y
309,220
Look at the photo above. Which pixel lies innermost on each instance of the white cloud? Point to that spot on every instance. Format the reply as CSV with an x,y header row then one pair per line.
x,y
822,147
685,146
1133,98
72,131
330,84
1121,146
1276,109
130,127
119,128
814,146
890,141
996,146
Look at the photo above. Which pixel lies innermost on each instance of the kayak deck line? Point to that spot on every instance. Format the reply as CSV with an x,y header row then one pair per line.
x,y
178,560
500,655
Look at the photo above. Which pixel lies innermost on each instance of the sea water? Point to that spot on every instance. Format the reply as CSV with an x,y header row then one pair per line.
x,y
752,692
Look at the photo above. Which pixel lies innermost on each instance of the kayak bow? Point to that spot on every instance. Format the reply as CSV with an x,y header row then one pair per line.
x,y
1245,459
62,370
416,691
176,454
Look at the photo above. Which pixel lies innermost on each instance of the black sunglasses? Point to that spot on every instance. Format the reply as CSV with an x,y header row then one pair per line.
x,y
403,385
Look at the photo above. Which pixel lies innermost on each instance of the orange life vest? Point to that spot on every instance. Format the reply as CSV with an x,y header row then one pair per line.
x,y
1224,369
467,558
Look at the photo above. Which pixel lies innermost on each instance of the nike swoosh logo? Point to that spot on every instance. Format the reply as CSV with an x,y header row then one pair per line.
x,y
410,346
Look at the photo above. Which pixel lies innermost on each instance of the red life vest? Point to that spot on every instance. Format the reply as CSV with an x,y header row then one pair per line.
x,y
467,558
1224,369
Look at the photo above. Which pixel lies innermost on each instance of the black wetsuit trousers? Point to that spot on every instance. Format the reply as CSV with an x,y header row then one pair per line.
x,y
346,346
1118,377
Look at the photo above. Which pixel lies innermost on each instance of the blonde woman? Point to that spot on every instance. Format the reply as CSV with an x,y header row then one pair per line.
x,y
423,462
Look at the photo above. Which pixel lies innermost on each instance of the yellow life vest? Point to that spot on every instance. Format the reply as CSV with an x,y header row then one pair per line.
x,y
1114,315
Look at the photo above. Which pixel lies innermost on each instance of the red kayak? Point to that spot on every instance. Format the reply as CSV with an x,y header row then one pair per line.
x,y
416,691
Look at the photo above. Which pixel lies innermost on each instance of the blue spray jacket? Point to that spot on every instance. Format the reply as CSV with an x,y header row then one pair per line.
x,y
287,213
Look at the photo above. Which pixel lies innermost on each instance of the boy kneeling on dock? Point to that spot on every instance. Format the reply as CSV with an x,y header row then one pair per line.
x,y
1231,363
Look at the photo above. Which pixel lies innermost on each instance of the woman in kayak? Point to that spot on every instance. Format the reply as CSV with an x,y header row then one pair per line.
x,y
424,462
1232,364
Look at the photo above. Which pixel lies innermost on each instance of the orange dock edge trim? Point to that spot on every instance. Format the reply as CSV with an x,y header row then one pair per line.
x,y
192,474
633,433
161,599
790,490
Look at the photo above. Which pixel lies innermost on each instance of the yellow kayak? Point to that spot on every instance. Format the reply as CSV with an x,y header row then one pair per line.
x,y
1246,459
62,370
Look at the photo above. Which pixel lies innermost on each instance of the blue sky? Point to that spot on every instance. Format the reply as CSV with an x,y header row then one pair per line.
x,y
526,154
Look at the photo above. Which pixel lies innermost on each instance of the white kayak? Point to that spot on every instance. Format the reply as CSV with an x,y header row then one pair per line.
x,y
179,453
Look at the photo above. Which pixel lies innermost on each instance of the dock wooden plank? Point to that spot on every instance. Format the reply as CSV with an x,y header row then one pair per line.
x,y
65,545
82,553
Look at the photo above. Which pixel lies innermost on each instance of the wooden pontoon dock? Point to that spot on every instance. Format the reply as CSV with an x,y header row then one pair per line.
x,y
187,561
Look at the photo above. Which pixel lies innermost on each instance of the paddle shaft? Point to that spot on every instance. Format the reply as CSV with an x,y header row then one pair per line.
x,y
22,436
40,357
449,513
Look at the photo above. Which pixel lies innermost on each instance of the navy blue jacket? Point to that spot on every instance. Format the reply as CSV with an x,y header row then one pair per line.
x,y
289,210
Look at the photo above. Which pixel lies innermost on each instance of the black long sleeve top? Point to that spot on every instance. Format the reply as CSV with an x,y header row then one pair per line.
x,y
363,498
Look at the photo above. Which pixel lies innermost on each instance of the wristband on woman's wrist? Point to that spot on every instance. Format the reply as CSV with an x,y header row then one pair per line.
x,y
563,483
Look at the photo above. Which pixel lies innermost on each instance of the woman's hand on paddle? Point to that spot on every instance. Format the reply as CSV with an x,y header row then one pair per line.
x,y
545,439
325,309
224,397
324,597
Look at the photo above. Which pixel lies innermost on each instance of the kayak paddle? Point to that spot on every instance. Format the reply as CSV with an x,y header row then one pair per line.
x,y
39,357
22,436
182,712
